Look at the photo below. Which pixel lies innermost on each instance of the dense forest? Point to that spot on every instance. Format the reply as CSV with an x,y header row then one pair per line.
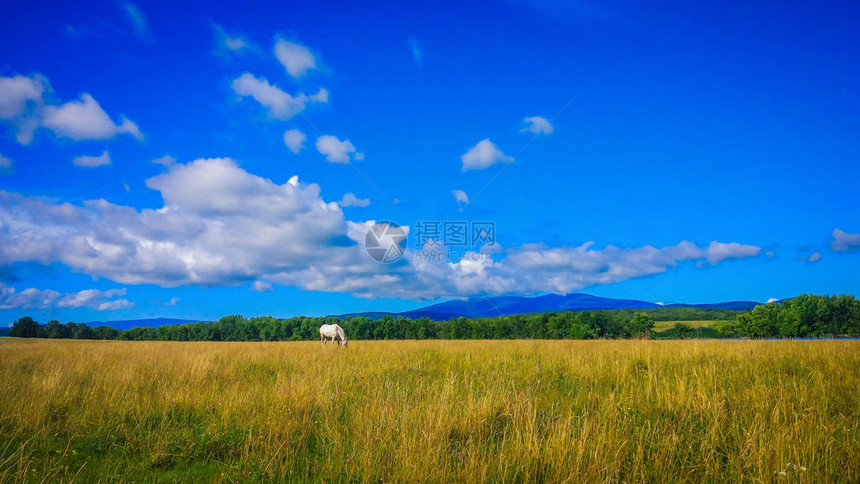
x,y
803,316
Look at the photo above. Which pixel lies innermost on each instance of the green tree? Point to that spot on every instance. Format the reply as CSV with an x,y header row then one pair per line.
x,y
25,328
640,326
57,330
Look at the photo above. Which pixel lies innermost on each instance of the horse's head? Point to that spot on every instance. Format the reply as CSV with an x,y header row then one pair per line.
x,y
343,343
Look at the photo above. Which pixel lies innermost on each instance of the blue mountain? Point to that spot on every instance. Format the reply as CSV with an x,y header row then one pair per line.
x,y
507,305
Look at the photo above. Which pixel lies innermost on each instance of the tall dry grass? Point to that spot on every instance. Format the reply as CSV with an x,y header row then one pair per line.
x,y
430,411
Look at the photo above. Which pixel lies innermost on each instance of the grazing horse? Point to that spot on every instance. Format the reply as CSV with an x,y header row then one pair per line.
x,y
332,331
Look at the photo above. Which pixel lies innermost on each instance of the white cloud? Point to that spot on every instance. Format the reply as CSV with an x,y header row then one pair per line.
x,y
350,200
23,105
222,226
296,58
5,164
115,305
21,101
227,44
86,120
335,150
294,139
166,160
17,91
33,298
537,124
460,196
281,105
815,257
88,298
772,300
718,251
92,161
320,97
843,241
483,155
417,55
262,286
137,21
30,298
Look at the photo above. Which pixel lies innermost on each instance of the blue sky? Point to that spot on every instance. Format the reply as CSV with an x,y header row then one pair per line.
x,y
676,152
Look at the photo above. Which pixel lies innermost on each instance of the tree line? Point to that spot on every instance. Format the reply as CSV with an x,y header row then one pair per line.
x,y
579,325
803,316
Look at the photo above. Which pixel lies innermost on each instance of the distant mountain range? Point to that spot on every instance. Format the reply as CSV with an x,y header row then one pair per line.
x,y
141,323
477,308
507,305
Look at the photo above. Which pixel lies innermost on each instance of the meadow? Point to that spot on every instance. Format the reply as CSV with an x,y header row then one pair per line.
x,y
430,411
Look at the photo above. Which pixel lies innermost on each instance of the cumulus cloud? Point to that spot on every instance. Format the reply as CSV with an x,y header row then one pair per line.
x,y
262,286
460,196
92,161
537,124
23,106
33,298
337,151
296,58
86,120
281,105
843,241
350,200
5,165
226,44
772,300
483,155
294,139
221,225
136,19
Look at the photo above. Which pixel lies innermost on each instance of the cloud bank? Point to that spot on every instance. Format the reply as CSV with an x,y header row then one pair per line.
x,y
33,298
223,226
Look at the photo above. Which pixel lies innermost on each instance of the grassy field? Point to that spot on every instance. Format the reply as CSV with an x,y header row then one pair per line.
x,y
434,411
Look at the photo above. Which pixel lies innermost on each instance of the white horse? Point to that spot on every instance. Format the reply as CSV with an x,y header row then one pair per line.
x,y
332,331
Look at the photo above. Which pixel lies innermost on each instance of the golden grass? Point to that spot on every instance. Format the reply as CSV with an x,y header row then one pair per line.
x,y
430,411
